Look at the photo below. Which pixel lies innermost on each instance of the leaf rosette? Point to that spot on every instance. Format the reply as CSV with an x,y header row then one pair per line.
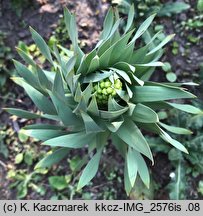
x,y
100,95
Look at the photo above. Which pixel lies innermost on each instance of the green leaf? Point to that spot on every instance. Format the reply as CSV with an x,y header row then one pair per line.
x,y
58,182
74,140
69,66
44,81
131,15
112,114
163,42
127,183
93,107
132,136
64,112
27,58
90,125
186,108
41,44
19,158
53,158
87,93
132,165
22,113
28,158
142,169
124,66
58,88
171,77
173,8
76,163
90,170
144,114
176,130
42,102
26,74
94,65
200,8
70,22
158,93
150,64
156,129
97,76
177,186
122,74
108,23
113,53
130,93
43,134
22,190
115,124
120,145
144,26
113,105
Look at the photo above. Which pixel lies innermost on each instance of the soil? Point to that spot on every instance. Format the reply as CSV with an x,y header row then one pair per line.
x,y
43,16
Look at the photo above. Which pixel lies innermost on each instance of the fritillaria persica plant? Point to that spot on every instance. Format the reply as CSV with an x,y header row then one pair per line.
x,y
103,94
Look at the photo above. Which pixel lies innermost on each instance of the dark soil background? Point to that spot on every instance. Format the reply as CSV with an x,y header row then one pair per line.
x,y
43,16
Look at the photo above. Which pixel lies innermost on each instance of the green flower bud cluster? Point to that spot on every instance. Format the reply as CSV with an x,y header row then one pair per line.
x,y
105,88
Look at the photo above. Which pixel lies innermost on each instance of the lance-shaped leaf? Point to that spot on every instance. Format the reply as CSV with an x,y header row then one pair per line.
x,y
43,134
97,76
43,80
26,57
131,15
75,140
22,113
41,44
150,64
124,66
132,165
167,105
113,105
69,66
93,107
176,130
44,126
120,145
158,93
127,183
87,93
108,23
144,114
90,170
156,129
130,93
115,124
116,48
58,88
132,136
90,125
144,26
41,101
142,168
122,74
29,77
70,22
64,112
112,114
53,158
164,42
186,108
172,141
94,65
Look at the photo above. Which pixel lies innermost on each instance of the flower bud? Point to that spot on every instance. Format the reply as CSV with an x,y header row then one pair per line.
x,y
106,88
